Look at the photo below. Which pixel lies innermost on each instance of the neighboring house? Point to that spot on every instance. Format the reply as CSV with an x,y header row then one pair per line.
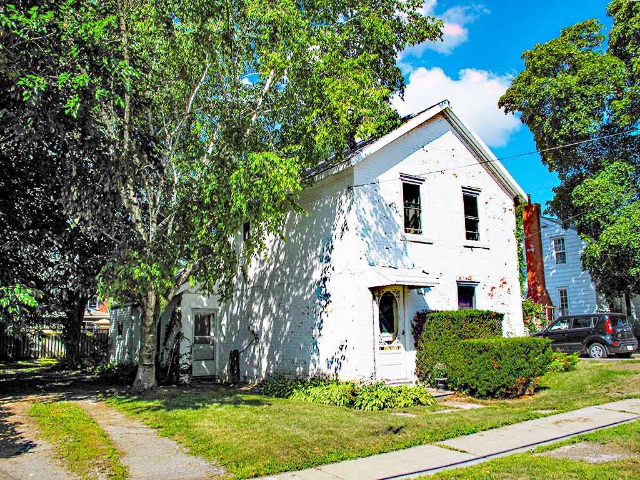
x,y
96,315
422,218
570,289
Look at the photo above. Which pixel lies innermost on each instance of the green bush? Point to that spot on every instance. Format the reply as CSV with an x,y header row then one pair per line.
x,y
116,373
358,395
435,334
562,362
498,367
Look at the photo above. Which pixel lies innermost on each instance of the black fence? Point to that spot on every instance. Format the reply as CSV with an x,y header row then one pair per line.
x,y
31,346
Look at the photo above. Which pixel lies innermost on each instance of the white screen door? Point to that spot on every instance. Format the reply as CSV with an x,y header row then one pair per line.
x,y
204,344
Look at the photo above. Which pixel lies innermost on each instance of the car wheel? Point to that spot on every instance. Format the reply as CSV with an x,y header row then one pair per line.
x,y
624,355
597,351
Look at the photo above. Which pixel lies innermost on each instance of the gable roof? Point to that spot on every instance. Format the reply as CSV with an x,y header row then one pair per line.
x,y
474,142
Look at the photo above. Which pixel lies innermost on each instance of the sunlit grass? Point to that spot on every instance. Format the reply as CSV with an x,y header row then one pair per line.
x,y
83,447
253,435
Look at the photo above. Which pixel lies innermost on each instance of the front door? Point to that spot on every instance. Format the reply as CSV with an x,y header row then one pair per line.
x,y
392,361
204,343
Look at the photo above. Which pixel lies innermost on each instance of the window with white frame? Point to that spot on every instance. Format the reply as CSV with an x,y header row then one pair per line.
x,y
412,203
559,250
471,215
563,302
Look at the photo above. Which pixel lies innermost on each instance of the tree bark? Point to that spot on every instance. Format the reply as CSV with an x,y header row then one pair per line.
x,y
73,329
146,375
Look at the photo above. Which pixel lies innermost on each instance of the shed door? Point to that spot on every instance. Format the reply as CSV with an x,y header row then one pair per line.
x,y
204,344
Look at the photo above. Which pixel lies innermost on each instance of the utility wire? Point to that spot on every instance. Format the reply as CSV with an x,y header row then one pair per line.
x,y
484,162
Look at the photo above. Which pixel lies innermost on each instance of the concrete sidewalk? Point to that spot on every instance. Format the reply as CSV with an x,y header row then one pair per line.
x,y
476,448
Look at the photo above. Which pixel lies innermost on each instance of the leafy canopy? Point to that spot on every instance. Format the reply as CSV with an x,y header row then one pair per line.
x,y
195,117
583,86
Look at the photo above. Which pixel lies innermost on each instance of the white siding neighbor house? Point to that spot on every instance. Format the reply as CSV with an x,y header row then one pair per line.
x,y
570,288
422,218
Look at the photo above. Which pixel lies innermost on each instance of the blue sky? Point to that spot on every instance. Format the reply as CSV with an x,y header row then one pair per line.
x,y
474,65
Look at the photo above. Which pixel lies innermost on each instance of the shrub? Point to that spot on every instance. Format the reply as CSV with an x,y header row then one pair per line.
x,y
361,396
562,362
435,334
498,367
533,316
116,373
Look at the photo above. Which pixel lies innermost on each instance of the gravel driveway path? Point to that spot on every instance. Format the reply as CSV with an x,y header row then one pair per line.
x,y
22,455
147,455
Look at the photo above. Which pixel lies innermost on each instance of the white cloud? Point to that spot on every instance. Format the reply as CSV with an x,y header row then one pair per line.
x,y
474,97
454,31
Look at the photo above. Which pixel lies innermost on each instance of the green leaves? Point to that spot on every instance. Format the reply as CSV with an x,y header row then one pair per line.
x,y
580,87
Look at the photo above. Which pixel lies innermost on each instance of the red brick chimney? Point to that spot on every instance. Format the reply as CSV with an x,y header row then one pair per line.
x,y
536,287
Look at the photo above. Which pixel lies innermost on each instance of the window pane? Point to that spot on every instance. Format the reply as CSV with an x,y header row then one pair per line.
x,y
561,325
584,322
412,208
471,226
471,217
387,314
202,330
559,250
470,205
466,296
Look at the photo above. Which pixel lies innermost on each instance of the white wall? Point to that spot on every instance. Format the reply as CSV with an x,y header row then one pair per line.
x,y
436,153
580,287
308,299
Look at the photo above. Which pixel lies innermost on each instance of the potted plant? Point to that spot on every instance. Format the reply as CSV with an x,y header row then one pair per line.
x,y
440,376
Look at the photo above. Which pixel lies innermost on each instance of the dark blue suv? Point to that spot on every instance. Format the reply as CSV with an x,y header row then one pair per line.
x,y
596,334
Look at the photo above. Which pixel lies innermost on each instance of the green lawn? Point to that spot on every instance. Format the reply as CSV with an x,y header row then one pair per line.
x,y
624,439
253,435
83,447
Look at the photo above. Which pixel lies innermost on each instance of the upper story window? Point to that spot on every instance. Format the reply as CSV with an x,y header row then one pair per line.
x,y
471,215
412,203
559,251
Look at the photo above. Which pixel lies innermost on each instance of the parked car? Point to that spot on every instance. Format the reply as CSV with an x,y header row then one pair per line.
x,y
596,334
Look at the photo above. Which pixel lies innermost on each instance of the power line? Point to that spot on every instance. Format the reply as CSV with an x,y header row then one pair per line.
x,y
484,162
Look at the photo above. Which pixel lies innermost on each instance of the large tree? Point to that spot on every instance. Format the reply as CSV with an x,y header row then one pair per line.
x,y
201,116
581,91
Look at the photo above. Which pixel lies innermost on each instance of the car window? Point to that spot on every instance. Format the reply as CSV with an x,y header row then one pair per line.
x,y
583,322
560,325
619,321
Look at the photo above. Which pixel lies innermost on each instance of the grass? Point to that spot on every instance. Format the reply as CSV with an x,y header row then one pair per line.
x,y
624,438
8,368
253,435
77,439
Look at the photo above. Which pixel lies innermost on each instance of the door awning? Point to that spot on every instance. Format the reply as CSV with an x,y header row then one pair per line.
x,y
408,277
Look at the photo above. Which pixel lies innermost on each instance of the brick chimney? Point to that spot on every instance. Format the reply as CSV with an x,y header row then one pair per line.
x,y
536,287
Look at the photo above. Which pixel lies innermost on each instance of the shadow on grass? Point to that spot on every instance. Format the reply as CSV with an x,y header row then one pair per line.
x,y
189,398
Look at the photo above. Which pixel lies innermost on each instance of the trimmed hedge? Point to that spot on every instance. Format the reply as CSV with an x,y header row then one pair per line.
x,y
498,367
435,334
357,395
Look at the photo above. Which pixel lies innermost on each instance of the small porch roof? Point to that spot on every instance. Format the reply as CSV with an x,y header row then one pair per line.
x,y
408,277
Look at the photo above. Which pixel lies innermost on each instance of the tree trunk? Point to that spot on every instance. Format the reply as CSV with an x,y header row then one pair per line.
x,y
146,375
73,330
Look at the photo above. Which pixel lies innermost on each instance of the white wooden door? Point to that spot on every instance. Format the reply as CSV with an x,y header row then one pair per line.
x,y
392,361
204,343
